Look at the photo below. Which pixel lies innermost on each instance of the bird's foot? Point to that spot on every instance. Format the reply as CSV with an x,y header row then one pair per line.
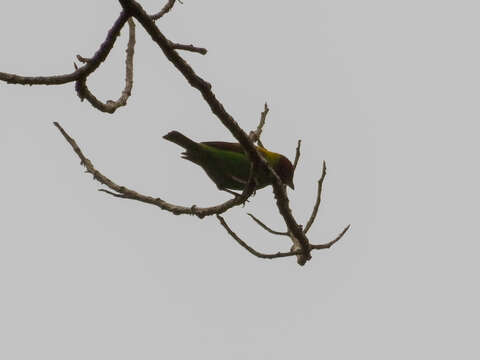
x,y
237,195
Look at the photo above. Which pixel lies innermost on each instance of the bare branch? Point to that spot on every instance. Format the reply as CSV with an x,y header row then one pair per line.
x,y
136,10
190,47
83,71
252,250
297,155
319,199
270,230
327,245
298,252
110,106
255,135
168,6
123,192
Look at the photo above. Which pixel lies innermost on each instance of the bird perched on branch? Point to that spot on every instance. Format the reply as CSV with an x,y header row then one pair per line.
x,y
228,165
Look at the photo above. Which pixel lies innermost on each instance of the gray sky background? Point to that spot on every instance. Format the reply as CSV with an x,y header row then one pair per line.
x,y
385,91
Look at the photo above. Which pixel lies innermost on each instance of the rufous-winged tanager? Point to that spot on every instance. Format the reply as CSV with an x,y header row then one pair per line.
x,y
227,164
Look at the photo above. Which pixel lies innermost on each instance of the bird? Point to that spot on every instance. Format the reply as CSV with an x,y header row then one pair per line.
x,y
228,166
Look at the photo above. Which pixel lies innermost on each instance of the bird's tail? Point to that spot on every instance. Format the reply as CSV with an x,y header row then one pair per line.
x,y
180,139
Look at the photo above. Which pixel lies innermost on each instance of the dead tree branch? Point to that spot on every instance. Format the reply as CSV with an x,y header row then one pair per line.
x,y
297,155
278,254
80,75
296,243
252,250
110,106
83,71
126,193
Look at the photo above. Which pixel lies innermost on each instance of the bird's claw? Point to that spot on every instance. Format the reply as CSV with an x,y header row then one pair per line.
x,y
236,195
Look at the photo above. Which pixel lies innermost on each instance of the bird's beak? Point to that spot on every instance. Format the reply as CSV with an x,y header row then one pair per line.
x,y
291,185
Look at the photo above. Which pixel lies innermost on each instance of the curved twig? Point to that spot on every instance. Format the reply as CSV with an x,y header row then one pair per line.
x,y
319,199
329,244
270,230
111,106
297,155
83,71
168,6
298,252
126,193
252,250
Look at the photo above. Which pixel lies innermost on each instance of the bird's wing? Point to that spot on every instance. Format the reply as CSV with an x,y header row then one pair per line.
x,y
227,146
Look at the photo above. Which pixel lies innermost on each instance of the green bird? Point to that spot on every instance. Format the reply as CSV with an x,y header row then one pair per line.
x,y
227,164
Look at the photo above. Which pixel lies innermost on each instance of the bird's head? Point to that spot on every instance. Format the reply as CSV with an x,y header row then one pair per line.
x,y
284,170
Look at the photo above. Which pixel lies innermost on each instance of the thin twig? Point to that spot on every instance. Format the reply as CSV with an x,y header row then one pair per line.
x,y
111,106
83,71
124,192
297,155
270,230
168,6
252,250
327,245
319,199
278,254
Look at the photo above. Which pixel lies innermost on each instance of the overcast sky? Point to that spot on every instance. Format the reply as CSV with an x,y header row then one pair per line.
x,y
386,92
